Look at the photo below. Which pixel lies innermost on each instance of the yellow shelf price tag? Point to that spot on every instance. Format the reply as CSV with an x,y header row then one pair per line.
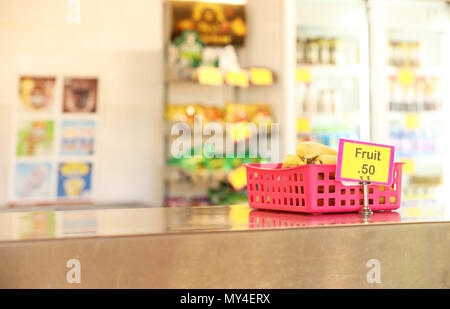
x,y
303,75
261,77
304,126
362,161
237,78
406,77
238,178
209,76
412,121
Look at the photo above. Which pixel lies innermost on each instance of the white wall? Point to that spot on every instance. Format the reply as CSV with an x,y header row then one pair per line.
x,y
118,41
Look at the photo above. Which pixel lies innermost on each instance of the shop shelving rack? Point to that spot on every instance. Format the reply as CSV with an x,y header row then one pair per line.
x,y
252,54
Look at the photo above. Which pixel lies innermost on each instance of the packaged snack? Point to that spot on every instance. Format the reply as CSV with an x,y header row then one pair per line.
x,y
235,112
212,114
194,110
175,113
215,163
260,113
210,56
192,163
190,48
234,162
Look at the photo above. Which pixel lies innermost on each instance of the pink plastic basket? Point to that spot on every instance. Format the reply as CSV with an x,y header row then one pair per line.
x,y
314,189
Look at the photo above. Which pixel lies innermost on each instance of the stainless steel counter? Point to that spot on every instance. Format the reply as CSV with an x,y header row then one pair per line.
x,y
225,247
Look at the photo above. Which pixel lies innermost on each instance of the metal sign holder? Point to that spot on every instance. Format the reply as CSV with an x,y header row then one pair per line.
x,y
365,211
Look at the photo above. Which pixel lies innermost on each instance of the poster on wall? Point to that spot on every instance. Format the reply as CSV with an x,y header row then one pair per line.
x,y
218,24
33,180
77,137
80,95
74,180
35,138
36,93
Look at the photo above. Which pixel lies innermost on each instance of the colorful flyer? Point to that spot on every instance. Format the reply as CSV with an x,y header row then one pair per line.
x,y
36,93
77,137
35,138
79,223
74,180
33,180
36,225
80,95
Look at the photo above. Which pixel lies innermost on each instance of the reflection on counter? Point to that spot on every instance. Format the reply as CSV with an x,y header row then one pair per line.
x,y
17,226
420,210
273,219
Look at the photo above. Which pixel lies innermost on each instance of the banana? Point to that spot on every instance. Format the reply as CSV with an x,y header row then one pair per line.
x,y
310,150
325,159
292,161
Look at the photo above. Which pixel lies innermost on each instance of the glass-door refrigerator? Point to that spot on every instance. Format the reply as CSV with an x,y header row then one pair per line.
x,y
332,70
415,103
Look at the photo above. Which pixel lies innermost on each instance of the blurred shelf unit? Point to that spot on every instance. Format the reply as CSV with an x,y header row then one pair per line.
x,y
212,81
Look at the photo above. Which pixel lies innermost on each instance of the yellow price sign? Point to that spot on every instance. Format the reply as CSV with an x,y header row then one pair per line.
x,y
209,76
362,161
303,125
303,75
237,78
261,77
406,77
412,121
238,178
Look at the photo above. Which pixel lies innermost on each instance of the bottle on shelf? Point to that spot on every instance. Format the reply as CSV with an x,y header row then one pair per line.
x,y
312,51
300,51
404,54
308,101
340,48
410,102
415,54
430,95
336,102
324,102
324,50
404,60
420,94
